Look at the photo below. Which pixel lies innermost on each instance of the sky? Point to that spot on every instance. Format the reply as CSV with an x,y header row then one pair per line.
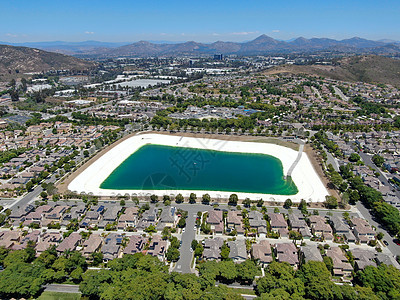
x,y
201,21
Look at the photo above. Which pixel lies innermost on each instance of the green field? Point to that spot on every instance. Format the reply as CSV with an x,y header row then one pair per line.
x,y
59,296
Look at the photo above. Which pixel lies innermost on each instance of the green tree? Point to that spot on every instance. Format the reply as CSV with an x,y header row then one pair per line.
x,y
233,199
288,203
206,199
154,198
247,202
192,198
331,202
354,157
225,252
378,160
179,198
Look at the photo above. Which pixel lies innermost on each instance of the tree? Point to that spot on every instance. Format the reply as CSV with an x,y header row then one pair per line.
x,y
206,199
182,222
380,235
154,198
378,160
354,157
247,271
247,202
179,198
192,198
86,153
225,251
172,254
295,235
288,203
303,206
122,202
317,280
260,202
43,195
194,244
331,202
227,271
233,199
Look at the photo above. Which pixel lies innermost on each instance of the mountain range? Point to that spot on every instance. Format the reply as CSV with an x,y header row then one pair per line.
x,y
261,45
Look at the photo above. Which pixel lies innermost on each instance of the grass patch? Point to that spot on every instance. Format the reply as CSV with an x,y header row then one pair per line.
x,y
243,291
59,296
276,142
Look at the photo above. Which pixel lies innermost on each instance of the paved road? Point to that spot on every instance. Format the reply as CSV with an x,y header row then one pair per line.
x,y
183,265
331,160
301,148
340,93
367,158
62,288
395,249
31,195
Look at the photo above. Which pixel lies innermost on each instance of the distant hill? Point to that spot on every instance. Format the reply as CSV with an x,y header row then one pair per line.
x,y
23,60
364,68
261,45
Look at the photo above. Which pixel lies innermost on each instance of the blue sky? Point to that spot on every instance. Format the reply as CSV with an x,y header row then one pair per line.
x,y
203,21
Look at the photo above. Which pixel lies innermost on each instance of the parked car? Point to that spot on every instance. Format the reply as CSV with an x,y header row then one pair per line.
x,y
396,241
386,243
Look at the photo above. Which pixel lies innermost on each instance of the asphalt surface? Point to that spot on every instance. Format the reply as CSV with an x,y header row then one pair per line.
x,y
367,159
183,265
31,195
62,288
395,249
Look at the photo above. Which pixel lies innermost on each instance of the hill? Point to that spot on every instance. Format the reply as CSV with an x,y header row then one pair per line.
x,y
17,60
365,68
259,46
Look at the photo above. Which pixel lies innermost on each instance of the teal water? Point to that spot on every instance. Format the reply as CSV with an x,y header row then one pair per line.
x,y
158,167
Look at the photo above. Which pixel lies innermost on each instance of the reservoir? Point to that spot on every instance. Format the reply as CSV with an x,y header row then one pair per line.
x,y
160,167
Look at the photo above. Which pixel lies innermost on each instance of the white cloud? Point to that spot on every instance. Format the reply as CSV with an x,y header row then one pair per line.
x,y
89,32
11,35
244,32
215,34
276,30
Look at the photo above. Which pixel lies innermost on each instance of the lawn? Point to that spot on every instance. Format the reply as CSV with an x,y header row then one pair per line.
x,y
59,296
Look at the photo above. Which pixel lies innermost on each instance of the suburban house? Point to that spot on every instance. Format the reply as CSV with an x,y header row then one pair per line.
x,y
362,230
363,258
320,228
129,218
278,223
238,252
158,247
287,252
216,221
341,265
136,244
341,228
212,248
149,217
111,246
234,221
168,218
262,253
257,221
9,239
92,244
70,242
310,253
